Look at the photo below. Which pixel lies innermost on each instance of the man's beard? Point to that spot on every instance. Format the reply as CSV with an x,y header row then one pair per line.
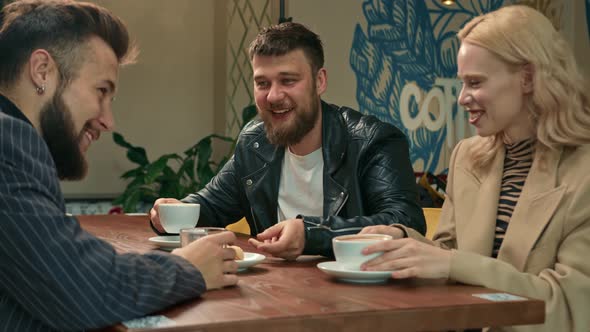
x,y
59,133
303,123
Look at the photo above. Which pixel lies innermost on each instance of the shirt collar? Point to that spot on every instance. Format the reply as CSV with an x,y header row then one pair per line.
x,y
9,108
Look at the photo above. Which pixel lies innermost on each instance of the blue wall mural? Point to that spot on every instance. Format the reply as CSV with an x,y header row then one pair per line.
x,y
405,65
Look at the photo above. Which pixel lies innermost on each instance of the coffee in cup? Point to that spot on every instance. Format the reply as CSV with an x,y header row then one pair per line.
x,y
348,249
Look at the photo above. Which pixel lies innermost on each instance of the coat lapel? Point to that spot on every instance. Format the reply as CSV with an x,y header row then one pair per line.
x,y
262,185
335,195
537,203
479,230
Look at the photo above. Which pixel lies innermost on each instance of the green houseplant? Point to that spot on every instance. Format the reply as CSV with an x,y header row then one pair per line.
x,y
172,175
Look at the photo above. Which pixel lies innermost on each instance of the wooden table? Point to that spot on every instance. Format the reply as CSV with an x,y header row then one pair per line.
x,y
296,296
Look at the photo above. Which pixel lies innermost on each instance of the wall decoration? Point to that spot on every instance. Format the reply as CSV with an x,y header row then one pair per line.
x,y
404,61
245,19
405,64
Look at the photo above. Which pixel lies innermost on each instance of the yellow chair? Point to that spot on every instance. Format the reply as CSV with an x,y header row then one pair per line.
x,y
432,216
241,226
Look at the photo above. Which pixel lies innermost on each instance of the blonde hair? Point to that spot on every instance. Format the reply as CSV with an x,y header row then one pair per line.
x,y
559,105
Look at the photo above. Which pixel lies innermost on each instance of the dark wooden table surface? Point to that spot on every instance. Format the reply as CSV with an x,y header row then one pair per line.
x,y
296,296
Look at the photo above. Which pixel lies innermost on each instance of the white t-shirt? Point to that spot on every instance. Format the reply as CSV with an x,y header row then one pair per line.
x,y
301,190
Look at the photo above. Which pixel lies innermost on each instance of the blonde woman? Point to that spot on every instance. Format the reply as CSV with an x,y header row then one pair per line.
x,y
517,213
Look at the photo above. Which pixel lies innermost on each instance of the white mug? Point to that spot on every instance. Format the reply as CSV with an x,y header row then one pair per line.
x,y
175,216
348,249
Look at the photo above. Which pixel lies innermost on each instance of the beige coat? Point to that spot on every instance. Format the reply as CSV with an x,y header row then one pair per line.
x,y
546,250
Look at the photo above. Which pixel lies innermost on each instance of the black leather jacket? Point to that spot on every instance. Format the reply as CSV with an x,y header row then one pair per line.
x,y
368,180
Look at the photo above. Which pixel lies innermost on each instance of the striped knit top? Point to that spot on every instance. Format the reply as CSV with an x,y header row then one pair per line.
x,y
517,163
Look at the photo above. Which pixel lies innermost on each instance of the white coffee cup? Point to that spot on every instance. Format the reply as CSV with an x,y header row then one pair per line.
x,y
175,216
348,249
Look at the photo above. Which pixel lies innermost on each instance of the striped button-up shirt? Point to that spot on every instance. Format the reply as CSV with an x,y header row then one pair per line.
x,y
53,274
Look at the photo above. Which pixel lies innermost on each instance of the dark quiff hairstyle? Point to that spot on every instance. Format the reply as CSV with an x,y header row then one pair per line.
x,y
62,28
280,39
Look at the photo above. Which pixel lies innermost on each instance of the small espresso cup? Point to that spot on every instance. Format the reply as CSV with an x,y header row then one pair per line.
x,y
348,249
176,216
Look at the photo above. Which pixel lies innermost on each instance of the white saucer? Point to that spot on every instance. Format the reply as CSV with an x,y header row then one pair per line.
x,y
361,277
250,259
167,242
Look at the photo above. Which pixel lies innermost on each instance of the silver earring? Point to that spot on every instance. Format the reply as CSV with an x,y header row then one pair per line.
x,y
41,89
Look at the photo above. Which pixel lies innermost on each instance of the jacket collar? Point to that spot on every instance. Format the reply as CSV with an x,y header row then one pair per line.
x,y
538,201
333,128
8,107
478,234
263,149
334,137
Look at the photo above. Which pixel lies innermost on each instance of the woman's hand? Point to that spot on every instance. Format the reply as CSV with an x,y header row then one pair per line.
x,y
395,232
409,258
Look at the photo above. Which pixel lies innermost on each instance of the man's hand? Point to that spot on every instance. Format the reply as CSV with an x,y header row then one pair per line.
x,y
215,262
155,213
285,239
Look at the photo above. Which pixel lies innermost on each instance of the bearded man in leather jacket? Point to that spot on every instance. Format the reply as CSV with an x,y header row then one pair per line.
x,y
306,170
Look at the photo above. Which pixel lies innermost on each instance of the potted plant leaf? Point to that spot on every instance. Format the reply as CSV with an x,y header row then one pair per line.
x,y
172,175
